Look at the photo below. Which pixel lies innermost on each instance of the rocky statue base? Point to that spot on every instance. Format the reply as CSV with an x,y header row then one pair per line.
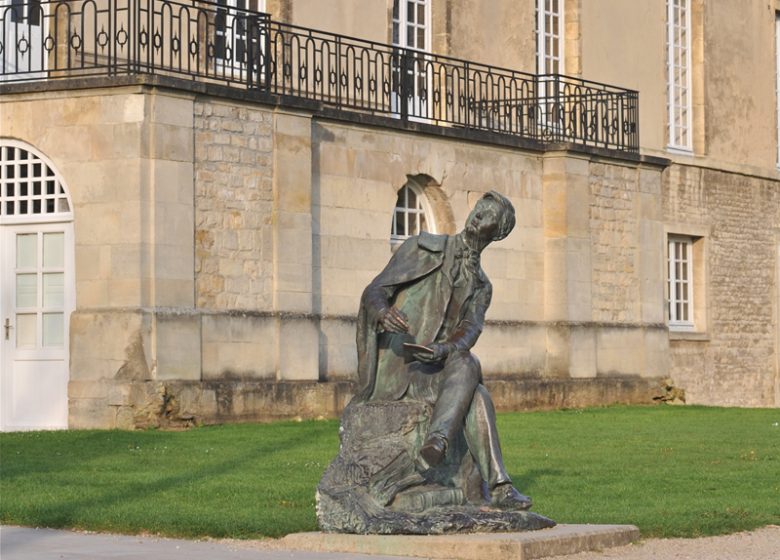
x,y
377,485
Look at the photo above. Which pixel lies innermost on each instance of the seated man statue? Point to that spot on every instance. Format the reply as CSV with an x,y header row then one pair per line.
x,y
417,323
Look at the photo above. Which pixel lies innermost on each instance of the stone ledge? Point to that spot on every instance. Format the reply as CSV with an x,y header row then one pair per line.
x,y
560,540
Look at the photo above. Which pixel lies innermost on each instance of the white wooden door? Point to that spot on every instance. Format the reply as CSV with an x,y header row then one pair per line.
x,y
37,299
37,290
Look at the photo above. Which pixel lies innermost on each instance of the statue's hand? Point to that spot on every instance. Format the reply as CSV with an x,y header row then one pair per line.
x,y
393,320
439,353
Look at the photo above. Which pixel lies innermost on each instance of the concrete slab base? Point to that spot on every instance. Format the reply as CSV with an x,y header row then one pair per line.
x,y
559,540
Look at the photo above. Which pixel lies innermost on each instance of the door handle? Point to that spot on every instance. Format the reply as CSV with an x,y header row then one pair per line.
x,y
8,328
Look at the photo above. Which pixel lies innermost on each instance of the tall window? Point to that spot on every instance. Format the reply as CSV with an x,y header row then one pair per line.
x,y
230,28
410,24
409,215
678,66
680,256
777,77
549,36
411,30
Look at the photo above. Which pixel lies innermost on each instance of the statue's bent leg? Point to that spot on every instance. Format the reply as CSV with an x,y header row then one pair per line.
x,y
457,381
482,438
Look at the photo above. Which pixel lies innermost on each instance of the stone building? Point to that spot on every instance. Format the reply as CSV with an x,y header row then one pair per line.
x,y
194,194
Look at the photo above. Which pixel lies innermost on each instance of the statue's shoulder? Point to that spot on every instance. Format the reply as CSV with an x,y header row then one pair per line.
x,y
432,241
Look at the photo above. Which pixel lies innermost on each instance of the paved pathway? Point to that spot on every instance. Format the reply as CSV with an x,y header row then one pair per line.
x,y
18,543
21,543
762,544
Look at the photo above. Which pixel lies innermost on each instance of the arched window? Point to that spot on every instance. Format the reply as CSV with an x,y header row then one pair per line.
x,y
411,215
30,189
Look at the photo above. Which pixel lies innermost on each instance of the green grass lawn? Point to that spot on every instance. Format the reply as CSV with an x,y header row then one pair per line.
x,y
673,471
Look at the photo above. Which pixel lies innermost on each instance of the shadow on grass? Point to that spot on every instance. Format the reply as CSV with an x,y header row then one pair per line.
x,y
71,513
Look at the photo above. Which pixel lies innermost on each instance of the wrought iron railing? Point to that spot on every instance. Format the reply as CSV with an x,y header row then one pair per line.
x,y
213,42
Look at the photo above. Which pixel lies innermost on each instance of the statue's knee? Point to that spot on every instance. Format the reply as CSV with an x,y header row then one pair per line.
x,y
465,364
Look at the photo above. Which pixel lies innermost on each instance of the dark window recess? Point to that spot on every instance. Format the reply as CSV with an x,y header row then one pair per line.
x,y
34,14
17,11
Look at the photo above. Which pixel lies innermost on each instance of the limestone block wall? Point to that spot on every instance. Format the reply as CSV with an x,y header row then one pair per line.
x,y
233,206
731,359
222,248
578,281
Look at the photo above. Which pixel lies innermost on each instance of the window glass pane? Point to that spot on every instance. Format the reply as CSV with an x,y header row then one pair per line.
x,y
53,249
53,290
26,290
410,11
421,14
411,201
399,224
53,329
27,250
25,330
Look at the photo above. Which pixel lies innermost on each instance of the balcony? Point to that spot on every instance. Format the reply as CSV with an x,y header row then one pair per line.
x,y
211,43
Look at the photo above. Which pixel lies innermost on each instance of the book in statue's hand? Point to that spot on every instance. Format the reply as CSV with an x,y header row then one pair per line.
x,y
417,348
414,348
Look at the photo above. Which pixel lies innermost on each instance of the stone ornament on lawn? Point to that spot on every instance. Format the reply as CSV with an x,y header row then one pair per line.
x,y
419,447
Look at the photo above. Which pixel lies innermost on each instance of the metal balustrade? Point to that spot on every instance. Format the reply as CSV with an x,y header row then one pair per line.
x,y
215,43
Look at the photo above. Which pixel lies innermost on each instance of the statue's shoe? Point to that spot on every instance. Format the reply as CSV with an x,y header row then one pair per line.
x,y
506,497
433,450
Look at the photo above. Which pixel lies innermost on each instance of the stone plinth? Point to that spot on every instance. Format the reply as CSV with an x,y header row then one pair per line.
x,y
559,540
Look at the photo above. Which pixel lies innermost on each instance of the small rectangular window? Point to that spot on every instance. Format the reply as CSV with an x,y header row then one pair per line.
x,y
680,278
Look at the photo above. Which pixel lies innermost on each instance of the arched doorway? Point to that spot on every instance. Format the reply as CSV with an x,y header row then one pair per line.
x,y
37,289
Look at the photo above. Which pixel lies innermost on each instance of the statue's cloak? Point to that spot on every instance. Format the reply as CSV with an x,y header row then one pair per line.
x,y
417,280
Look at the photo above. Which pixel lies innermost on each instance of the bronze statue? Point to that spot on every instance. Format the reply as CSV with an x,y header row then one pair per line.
x,y
420,436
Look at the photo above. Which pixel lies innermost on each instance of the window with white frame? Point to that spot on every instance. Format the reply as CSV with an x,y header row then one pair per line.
x,y
549,36
777,78
410,24
678,78
410,215
681,282
231,31
411,30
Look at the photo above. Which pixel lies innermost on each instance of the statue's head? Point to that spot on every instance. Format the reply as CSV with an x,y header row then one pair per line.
x,y
506,215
